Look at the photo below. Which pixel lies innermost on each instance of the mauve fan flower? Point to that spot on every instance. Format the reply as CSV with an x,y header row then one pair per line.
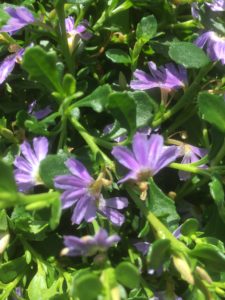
x,y
147,158
83,192
19,18
216,5
38,114
79,31
28,163
89,245
166,78
190,154
9,63
213,44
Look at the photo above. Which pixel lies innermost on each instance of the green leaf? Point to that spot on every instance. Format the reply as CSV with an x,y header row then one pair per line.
x,y
55,213
123,108
211,256
87,286
212,109
145,106
162,206
37,286
188,55
158,253
12,269
3,220
217,193
146,28
69,84
41,66
118,56
7,182
128,275
97,100
189,227
52,166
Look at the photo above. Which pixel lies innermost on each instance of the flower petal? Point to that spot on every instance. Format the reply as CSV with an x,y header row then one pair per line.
x,y
125,157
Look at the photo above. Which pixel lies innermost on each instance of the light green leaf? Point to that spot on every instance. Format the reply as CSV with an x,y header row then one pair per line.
x,y
41,66
188,55
118,56
212,109
146,28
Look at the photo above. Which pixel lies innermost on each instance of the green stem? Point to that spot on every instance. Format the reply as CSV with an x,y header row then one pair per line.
x,y
63,133
186,98
189,168
159,229
90,140
220,155
63,36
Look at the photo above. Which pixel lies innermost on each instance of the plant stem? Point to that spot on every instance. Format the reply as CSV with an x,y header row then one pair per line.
x,y
159,229
90,140
189,168
186,98
63,36
219,155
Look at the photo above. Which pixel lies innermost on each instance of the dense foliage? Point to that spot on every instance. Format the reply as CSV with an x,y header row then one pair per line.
x,y
112,146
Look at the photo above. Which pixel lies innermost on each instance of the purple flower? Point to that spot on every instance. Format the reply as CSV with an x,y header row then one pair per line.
x,y
83,192
109,128
190,154
167,78
88,245
213,44
9,63
163,295
19,18
216,5
148,156
38,114
27,165
195,10
76,32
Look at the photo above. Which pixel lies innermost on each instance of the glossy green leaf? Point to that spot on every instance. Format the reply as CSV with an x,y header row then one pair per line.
x,y
157,253
212,109
10,270
128,275
217,193
146,28
162,206
3,220
118,56
123,108
37,286
188,55
52,166
7,182
55,213
189,227
145,107
41,66
211,256
87,286
97,100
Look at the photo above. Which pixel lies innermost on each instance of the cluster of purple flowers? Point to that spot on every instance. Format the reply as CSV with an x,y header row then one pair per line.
x,y
212,42
20,17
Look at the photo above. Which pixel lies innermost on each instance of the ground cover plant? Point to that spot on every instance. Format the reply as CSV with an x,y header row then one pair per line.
x,y
112,146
